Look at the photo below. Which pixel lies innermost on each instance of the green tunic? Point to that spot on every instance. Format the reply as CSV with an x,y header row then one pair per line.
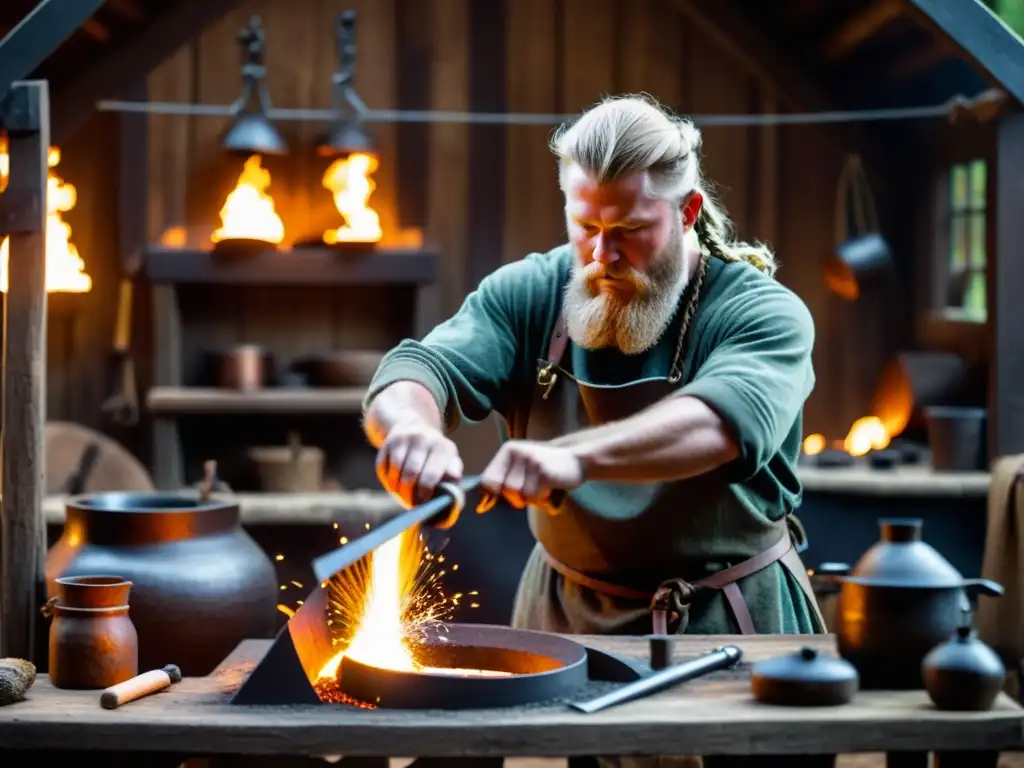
x,y
748,356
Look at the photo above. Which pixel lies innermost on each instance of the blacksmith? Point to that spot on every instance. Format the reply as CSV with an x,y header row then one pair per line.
x,y
654,369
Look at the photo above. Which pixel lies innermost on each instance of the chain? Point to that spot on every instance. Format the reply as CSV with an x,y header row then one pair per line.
x,y
676,371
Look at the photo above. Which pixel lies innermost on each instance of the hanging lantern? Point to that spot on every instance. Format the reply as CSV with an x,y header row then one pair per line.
x,y
251,132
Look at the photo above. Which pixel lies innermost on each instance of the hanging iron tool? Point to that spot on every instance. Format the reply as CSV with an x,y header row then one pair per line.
x,y
123,405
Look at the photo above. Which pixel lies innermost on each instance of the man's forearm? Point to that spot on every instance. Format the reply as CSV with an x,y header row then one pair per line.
x,y
674,439
400,403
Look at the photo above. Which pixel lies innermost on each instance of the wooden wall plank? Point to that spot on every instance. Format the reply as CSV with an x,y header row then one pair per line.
x,y
533,208
763,196
718,86
59,351
487,93
648,58
448,157
169,144
89,163
414,51
589,34
811,163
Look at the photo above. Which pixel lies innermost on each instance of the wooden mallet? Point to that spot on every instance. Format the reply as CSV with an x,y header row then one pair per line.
x,y
139,686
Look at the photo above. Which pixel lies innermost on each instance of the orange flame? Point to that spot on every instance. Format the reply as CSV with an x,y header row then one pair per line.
x,y
248,210
814,444
348,180
65,270
376,607
868,433
379,606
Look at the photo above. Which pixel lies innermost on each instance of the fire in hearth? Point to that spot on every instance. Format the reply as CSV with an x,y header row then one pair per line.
x,y
380,607
349,180
248,212
65,270
868,433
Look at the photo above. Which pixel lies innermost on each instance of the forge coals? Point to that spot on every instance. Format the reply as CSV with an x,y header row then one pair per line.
x,y
466,666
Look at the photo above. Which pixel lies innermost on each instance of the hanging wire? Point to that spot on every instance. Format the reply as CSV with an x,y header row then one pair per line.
x,y
521,118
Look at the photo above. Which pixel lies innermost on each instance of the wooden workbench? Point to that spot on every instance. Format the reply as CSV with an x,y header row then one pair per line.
x,y
714,715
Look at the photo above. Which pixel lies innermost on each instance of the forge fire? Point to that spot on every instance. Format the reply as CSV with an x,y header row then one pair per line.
x,y
380,607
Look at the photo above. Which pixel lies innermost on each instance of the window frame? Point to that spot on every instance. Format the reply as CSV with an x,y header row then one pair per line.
x,y
944,216
938,328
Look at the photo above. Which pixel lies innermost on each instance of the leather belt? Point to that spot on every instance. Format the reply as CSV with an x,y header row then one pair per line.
x,y
673,596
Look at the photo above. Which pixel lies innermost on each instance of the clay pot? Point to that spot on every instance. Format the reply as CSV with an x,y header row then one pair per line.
x,y
963,674
93,643
201,583
292,468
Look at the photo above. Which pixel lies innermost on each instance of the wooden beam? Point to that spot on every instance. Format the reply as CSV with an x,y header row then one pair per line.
x,y
853,32
130,61
128,9
38,35
97,30
774,70
919,60
22,528
1006,275
796,12
731,30
982,37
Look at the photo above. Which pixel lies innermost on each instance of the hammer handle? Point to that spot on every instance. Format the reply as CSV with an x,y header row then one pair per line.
x,y
135,688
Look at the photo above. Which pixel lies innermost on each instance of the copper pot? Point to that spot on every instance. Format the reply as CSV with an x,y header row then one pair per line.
x,y
244,367
93,643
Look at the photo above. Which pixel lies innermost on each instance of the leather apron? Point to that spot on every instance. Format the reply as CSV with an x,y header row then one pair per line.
x,y
563,402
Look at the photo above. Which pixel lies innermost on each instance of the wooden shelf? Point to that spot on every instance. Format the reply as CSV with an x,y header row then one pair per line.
x,y
301,266
916,481
352,508
198,400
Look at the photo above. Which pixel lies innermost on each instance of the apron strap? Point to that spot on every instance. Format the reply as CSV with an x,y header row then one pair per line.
x,y
559,339
674,595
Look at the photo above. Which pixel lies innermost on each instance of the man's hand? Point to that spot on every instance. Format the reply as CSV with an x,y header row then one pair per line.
x,y
413,459
525,472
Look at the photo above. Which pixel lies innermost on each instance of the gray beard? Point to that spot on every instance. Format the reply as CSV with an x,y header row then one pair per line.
x,y
596,320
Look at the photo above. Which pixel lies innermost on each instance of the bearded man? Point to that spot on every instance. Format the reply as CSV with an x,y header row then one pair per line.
x,y
654,370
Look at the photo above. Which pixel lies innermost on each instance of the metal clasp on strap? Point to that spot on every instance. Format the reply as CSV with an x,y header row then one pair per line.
x,y
546,378
670,602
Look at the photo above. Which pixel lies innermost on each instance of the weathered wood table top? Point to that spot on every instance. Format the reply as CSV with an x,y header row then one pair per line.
x,y
713,715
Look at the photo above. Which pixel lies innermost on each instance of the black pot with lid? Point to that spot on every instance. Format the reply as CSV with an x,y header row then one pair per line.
x,y
963,674
807,678
899,601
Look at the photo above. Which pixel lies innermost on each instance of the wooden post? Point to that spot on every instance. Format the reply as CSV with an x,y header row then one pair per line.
x,y
1006,278
22,528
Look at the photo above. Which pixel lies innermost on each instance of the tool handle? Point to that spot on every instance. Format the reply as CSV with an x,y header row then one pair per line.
x,y
139,686
720,658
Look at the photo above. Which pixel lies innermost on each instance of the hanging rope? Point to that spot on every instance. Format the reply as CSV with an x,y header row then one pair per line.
x,y
946,110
